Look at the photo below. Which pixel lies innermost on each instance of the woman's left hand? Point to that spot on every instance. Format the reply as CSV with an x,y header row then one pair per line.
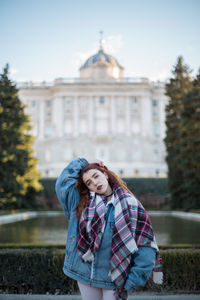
x,y
99,162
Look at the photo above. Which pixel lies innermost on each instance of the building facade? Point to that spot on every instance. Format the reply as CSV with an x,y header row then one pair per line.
x,y
100,115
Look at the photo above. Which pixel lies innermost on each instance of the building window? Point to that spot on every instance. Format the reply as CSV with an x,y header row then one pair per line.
x,y
135,105
68,127
155,114
67,104
121,126
48,110
47,131
156,129
101,100
135,127
155,110
83,126
134,100
68,100
101,126
155,155
154,103
49,103
33,103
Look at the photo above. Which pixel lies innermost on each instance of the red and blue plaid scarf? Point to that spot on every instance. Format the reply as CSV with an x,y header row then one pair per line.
x,y
132,229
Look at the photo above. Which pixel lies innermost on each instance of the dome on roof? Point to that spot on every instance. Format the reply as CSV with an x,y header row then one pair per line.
x,y
100,56
101,66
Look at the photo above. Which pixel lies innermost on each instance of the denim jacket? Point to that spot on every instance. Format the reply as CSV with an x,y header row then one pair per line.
x,y
95,273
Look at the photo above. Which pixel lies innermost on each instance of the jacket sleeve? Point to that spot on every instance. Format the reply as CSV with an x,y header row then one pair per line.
x,y
66,191
143,264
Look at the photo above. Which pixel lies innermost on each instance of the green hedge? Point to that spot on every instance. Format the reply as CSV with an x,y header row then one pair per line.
x,y
152,192
36,271
62,246
39,271
48,186
139,186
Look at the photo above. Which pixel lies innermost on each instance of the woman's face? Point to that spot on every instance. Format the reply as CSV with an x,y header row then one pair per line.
x,y
97,182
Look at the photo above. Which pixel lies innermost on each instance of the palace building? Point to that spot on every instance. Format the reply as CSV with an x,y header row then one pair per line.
x,y
100,115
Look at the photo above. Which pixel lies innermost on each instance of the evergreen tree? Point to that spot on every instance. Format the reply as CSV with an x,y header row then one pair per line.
x,y
179,85
19,178
190,146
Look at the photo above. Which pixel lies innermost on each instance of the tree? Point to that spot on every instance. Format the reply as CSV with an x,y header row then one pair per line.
x,y
19,183
190,146
178,86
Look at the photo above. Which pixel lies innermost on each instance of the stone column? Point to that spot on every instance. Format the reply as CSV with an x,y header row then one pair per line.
x,y
146,114
41,120
113,115
162,117
57,117
91,115
75,117
128,119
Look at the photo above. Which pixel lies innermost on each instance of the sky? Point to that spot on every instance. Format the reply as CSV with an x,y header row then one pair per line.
x,y
46,39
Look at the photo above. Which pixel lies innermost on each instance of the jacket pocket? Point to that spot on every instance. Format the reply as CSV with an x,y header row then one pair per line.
x,y
80,267
69,251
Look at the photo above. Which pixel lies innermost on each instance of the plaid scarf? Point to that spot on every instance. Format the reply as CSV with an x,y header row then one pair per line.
x,y
132,229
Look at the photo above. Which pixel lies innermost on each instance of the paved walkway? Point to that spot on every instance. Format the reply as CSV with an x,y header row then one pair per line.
x,y
77,297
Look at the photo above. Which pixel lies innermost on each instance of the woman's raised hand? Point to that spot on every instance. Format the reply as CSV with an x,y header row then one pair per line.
x,y
99,162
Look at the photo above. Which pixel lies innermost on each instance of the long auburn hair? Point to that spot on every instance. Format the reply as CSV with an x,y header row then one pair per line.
x,y
83,190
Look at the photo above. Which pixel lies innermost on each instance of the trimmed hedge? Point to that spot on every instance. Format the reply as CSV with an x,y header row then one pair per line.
x,y
39,271
35,271
138,186
62,246
152,192
48,186
47,198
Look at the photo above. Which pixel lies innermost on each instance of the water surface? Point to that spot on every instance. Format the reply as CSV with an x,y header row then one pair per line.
x,y
53,230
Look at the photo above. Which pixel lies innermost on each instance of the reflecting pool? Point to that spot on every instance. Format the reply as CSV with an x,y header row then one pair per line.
x,y
53,230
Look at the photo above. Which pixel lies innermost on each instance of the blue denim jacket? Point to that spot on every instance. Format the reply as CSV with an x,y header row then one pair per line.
x,y
97,272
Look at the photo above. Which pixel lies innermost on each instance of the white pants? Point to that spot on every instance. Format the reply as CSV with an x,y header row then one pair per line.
x,y
93,293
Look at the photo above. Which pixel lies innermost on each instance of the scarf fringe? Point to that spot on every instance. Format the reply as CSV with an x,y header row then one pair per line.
x,y
158,277
88,256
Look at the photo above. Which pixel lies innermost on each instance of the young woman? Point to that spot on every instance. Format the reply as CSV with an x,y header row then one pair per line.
x,y
111,247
